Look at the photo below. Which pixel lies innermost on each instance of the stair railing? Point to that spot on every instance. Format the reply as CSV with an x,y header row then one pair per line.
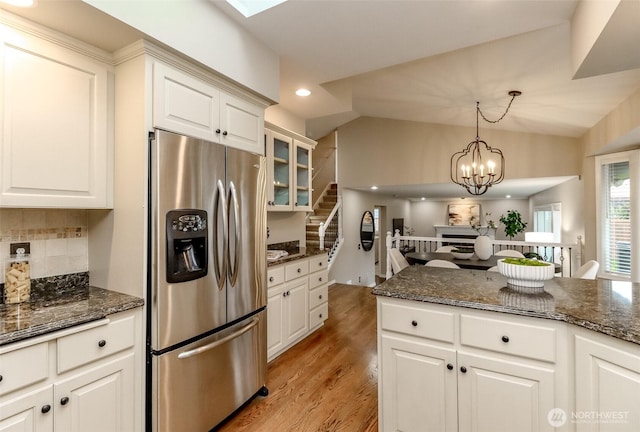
x,y
333,222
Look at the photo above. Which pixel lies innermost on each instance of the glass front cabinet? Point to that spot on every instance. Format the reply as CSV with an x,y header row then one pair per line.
x,y
289,170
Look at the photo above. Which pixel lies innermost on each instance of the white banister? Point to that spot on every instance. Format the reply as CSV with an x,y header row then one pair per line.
x,y
569,253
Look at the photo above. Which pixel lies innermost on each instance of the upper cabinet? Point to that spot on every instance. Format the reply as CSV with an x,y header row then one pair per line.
x,y
188,105
56,108
289,170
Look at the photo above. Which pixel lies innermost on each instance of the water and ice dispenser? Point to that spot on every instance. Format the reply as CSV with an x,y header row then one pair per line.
x,y
186,245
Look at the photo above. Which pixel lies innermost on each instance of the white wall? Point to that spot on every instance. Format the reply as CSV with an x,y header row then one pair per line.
x,y
286,227
426,214
198,29
279,116
354,265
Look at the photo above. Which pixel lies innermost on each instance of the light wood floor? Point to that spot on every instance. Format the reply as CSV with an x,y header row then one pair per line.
x,y
328,381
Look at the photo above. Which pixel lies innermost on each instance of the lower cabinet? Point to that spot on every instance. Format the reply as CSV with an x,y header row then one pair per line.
x,y
436,375
98,388
297,302
607,384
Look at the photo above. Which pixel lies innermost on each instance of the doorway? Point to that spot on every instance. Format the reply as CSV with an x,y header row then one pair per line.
x,y
380,239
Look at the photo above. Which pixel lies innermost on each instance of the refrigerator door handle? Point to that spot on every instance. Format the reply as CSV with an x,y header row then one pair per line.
x,y
233,205
220,207
212,345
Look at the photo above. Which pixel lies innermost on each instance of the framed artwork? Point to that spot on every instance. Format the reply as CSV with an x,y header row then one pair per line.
x,y
463,214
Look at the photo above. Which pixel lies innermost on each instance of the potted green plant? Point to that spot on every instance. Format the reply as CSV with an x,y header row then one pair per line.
x,y
513,223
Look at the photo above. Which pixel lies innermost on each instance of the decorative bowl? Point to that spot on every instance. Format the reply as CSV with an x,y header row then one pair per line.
x,y
526,273
462,253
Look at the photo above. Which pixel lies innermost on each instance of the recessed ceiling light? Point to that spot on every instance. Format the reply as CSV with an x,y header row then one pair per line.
x,y
374,187
303,92
423,198
251,7
507,196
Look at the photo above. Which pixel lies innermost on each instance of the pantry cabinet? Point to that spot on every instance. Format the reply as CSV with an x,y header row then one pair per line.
x,y
297,301
289,170
56,108
84,378
445,370
186,104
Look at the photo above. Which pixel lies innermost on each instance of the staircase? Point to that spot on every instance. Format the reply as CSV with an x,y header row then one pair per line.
x,y
321,211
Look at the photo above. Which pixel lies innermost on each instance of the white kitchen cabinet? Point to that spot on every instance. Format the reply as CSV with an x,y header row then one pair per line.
x,y
91,379
419,383
445,370
100,399
318,291
287,306
607,377
188,105
289,170
297,301
56,108
31,412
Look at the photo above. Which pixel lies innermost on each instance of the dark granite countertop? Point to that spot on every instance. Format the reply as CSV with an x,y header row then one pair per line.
x,y
70,308
296,254
604,306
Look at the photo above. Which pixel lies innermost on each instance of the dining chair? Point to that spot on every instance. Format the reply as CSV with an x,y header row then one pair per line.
x,y
441,263
445,248
509,253
398,261
588,270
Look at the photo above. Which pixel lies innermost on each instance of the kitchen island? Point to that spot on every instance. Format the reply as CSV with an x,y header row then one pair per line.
x,y
460,350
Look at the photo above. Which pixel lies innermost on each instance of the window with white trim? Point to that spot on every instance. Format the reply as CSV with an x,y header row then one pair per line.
x,y
615,220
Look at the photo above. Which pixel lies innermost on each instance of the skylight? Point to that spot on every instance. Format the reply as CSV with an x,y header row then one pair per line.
x,y
251,7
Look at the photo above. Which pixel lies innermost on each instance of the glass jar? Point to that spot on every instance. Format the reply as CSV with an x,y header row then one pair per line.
x,y
17,279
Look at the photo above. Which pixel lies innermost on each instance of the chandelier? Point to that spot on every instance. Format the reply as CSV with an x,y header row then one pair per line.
x,y
479,166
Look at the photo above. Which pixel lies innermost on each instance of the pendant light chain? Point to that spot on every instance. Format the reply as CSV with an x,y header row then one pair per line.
x,y
513,94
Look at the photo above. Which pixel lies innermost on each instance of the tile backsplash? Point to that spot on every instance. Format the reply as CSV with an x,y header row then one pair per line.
x,y
59,239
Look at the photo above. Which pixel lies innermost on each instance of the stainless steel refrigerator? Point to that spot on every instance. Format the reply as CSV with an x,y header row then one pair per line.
x,y
206,332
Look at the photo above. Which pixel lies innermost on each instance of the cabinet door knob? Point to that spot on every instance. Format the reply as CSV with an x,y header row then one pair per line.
x,y
414,323
320,315
505,339
296,204
45,409
270,278
102,343
319,279
225,133
449,366
217,130
463,369
0,378
320,296
299,270
64,401
320,263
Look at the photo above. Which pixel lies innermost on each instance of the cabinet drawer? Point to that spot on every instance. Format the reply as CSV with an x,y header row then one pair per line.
x,y
90,345
318,278
318,315
317,263
23,367
417,322
296,270
318,296
524,340
275,276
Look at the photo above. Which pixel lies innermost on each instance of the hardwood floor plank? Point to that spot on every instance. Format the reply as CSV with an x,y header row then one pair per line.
x,y
328,382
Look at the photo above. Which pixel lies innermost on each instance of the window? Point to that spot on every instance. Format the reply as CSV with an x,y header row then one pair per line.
x,y
547,219
615,177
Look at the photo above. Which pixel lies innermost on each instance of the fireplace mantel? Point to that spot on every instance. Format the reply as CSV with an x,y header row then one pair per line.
x,y
462,230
